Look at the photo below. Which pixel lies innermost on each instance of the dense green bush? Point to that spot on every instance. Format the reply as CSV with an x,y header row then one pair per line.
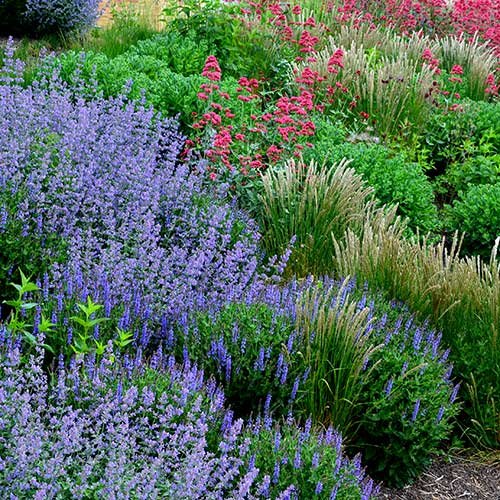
x,y
452,136
242,50
182,54
394,179
407,402
141,75
477,213
243,346
480,169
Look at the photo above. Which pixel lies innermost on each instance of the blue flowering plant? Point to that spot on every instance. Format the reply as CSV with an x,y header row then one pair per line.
x,y
408,400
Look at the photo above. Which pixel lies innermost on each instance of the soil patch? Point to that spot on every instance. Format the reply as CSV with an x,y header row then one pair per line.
x,y
459,479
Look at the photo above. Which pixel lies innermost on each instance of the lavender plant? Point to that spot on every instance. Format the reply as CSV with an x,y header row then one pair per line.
x,y
102,177
79,438
124,428
49,16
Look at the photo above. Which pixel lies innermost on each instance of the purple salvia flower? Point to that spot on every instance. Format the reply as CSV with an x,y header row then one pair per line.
x,y
388,387
404,368
416,409
444,356
417,339
259,363
295,389
440,414
319,488
334,492
367,491
277,441
276,471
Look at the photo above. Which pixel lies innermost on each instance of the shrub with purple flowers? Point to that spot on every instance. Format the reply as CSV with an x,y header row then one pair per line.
x,y
408,400
250,349
101,179
47,16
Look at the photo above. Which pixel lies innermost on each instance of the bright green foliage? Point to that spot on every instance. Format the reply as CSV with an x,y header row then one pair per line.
x,y
477,213
240,346
452,136
182,54
395,445
480,169
18,324
142,75
393,178
86,321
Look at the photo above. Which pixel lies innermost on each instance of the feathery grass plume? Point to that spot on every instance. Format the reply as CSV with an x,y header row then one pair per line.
x,y
390,88
460,295
312,203
477,59
386,42
337,345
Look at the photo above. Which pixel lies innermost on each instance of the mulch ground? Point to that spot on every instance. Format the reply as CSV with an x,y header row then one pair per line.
x,y
459,479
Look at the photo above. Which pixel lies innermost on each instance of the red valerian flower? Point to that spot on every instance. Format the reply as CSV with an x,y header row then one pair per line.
x,y
335,61
212,70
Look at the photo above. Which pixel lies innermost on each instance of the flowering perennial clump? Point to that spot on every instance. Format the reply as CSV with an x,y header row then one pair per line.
x,y
124,428
102,178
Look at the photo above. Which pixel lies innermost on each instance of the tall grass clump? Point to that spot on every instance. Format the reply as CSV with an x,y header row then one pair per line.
x,y
310,203
461,296
336,347
123,25
477,59
390,88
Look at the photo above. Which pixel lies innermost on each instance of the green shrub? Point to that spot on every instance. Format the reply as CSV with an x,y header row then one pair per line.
x,y
477,214
245,348
182,54
140,75
454,136
480,169
242,49
313,462
407,404
393,178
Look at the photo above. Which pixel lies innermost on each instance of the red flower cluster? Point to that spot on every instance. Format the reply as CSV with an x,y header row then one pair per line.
x,y
212,70
335,61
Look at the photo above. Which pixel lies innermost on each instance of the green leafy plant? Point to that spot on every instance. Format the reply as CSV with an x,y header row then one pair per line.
x,y
477,214
458,295
479,169
83,341
407,404
18,324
